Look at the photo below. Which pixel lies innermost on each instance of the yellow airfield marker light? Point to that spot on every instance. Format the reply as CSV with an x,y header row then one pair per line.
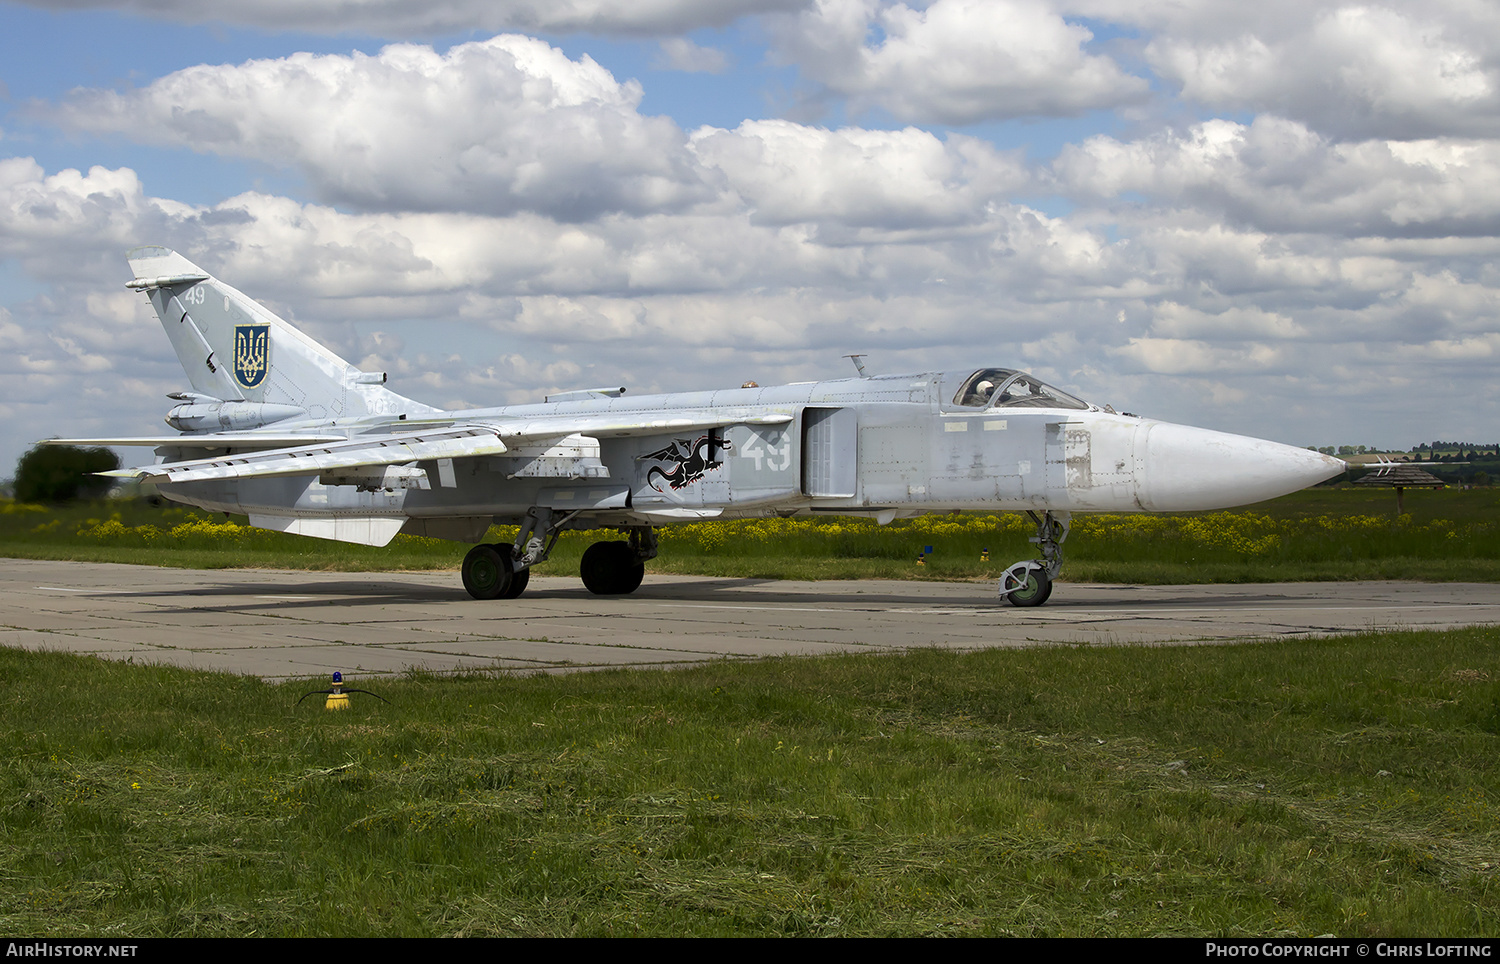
x,y
338,697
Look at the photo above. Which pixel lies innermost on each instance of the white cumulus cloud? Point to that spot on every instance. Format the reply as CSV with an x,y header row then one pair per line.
x,y
1279,175
1352,70
508,124
954,61
789,173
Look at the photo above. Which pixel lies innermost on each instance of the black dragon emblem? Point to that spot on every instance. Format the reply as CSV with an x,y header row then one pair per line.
x,y
692,459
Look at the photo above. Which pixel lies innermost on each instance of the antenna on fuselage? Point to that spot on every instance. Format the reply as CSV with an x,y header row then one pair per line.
x,y
858,365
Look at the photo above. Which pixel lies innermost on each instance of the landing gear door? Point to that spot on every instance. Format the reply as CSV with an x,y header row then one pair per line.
x,y
830,457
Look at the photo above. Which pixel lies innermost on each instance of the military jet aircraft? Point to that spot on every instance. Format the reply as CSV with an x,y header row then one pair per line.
x,y
280,428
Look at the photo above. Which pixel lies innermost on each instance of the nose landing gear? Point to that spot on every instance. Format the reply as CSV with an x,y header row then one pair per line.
x,y
1029,582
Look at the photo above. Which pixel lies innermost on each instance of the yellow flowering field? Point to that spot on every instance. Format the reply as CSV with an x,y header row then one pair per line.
x,y
1320,534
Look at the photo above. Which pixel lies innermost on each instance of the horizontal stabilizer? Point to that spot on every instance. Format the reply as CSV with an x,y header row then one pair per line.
x,y
463,441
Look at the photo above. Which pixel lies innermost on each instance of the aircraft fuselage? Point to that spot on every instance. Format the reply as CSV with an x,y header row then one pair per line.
x,y
887,446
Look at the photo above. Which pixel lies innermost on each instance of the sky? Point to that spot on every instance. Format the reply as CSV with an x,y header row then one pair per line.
x,y
1278,219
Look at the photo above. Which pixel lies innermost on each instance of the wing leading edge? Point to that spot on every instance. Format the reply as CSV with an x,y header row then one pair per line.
x,y
362,451
218,440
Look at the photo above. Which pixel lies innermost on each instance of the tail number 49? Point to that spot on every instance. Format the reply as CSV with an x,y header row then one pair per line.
x,y
773,452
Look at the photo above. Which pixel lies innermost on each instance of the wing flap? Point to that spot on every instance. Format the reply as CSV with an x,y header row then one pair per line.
x,y
364,450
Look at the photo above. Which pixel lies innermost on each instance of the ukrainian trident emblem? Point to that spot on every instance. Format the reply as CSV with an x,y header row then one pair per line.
x,y
252,353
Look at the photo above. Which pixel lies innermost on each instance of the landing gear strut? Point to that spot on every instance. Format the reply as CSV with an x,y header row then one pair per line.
x,y
617,568
502,572
1029,582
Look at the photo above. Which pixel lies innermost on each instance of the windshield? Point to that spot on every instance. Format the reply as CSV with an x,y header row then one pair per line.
x,y
1007,388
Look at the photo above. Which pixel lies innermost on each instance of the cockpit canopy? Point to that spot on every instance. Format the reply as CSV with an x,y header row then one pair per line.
x,y
1007,388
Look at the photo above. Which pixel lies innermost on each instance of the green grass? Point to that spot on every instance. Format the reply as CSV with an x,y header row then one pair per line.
x,y
1342,786
1320,534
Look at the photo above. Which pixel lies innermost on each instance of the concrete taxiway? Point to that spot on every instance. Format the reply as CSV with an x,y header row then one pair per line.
x,y
278,624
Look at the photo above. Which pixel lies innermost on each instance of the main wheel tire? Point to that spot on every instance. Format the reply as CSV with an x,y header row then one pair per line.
x,y
598,566
630,574
1038,587
611,569
518,581
486,571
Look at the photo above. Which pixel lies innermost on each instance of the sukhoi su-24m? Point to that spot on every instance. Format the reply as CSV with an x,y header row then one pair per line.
x,y
283,430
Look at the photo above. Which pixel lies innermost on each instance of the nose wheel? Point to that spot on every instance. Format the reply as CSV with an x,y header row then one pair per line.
x,y
1025,584
1029,582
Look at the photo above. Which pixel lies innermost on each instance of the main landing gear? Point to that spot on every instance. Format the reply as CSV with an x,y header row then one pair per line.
x,y
502,572
1029,582
490,573
616,568
609,568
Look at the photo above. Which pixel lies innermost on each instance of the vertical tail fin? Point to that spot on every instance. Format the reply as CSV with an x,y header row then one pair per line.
x,y
233,349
